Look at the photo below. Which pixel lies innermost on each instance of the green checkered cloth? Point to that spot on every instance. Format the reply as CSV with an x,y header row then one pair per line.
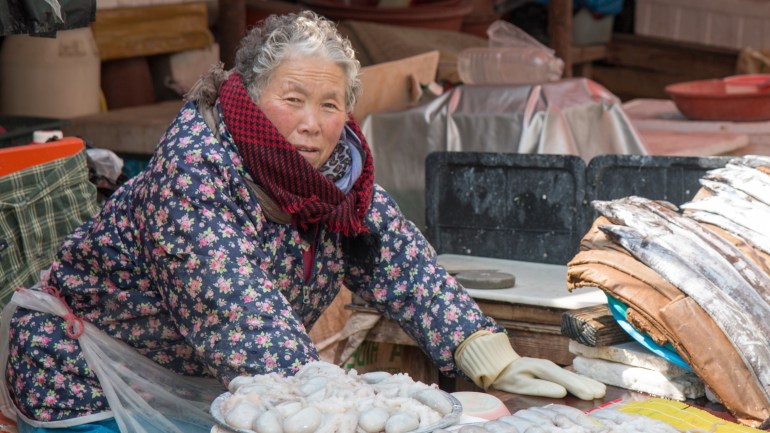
x,y
39,206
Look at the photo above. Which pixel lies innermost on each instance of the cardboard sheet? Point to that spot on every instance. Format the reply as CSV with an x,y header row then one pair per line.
x,y
390,86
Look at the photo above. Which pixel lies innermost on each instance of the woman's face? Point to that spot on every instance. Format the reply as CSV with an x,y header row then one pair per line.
x,y
305,100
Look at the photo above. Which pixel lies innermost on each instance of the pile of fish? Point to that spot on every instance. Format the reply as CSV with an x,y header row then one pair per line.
x,y
556,418
696,277
323,398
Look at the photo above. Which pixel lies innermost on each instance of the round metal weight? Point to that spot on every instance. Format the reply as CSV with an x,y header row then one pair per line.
x,y
486,279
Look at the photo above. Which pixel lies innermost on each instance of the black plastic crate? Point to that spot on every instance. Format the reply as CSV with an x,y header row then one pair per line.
x,y
18,130
671,178
504,205
537,208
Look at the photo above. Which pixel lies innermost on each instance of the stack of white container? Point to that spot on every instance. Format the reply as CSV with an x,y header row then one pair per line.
x,y
631,366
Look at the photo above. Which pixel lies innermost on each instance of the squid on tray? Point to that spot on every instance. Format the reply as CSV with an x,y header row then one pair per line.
x,y
323,398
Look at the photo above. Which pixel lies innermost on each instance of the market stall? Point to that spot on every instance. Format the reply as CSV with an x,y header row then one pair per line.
x,y
695,351
186,303
394,402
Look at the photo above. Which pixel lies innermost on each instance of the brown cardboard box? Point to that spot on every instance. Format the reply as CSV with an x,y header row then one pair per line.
x,y
394,85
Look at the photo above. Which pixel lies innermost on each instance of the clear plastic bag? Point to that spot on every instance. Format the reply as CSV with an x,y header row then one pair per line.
x,y
503,34
105,163
143,396
512,57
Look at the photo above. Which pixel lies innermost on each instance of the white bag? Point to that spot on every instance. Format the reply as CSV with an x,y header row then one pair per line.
x,y
143,396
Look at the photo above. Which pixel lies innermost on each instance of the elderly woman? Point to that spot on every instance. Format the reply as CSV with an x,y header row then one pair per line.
x,y
258,205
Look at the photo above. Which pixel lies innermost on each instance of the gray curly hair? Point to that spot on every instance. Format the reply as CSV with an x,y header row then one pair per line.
x,y
279,37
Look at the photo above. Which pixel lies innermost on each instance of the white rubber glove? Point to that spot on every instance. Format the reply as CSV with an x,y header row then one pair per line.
x,y
490,361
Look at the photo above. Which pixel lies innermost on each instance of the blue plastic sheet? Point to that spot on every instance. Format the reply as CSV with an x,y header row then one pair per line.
x,y
666,352
106,426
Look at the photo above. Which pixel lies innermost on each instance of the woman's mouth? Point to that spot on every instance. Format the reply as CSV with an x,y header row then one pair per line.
x,y
305,148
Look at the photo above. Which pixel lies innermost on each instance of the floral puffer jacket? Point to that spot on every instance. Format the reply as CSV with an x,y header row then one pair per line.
x,y
182,265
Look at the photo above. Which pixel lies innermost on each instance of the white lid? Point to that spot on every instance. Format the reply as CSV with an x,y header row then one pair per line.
x,y
44,136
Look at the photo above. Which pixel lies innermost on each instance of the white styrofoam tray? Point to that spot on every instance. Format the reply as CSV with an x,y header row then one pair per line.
x,y
538,284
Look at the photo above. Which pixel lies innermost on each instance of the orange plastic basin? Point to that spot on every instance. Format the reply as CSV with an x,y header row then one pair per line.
x,y
711,100
17,158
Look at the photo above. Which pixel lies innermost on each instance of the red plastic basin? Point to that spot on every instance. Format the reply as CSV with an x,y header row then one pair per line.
x,y
747,83
710,100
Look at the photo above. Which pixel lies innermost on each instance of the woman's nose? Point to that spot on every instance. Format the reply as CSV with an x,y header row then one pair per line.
x,y
310,123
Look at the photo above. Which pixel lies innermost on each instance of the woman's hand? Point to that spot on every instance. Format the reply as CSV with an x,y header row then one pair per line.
x,y
543,378
490,361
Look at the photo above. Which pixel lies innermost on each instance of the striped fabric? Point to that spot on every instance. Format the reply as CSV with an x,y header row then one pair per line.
x,y
39,206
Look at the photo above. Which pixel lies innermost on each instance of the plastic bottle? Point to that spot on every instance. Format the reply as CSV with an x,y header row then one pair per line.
x,y
507,66
512,57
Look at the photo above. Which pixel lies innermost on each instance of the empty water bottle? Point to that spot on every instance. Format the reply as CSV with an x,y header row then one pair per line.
x,y
507,66
513,57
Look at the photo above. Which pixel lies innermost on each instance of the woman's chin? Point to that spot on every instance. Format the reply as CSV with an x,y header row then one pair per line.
x,y
313,158
312,161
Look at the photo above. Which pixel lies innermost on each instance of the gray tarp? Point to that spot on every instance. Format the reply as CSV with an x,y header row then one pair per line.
x,y
568,117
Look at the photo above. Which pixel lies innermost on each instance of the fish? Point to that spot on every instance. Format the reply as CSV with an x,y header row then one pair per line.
x,y
733,204
746,234
752,273
754,161
749,180
684,268
717,259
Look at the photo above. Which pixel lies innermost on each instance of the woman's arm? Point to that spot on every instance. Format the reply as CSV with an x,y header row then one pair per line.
x,y
203,242
406,284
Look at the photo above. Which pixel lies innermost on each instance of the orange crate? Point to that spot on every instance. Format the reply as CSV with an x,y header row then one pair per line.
x,y
17,158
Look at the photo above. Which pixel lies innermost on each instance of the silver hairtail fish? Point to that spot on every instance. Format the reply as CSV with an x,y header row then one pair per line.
x,y
735,205
715,258
749,180
739,327
754,161
746,234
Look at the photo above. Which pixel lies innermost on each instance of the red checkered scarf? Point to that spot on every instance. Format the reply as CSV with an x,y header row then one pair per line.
x,y
298,188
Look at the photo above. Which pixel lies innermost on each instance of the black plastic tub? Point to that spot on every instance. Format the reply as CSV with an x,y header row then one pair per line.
x,y
18,130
